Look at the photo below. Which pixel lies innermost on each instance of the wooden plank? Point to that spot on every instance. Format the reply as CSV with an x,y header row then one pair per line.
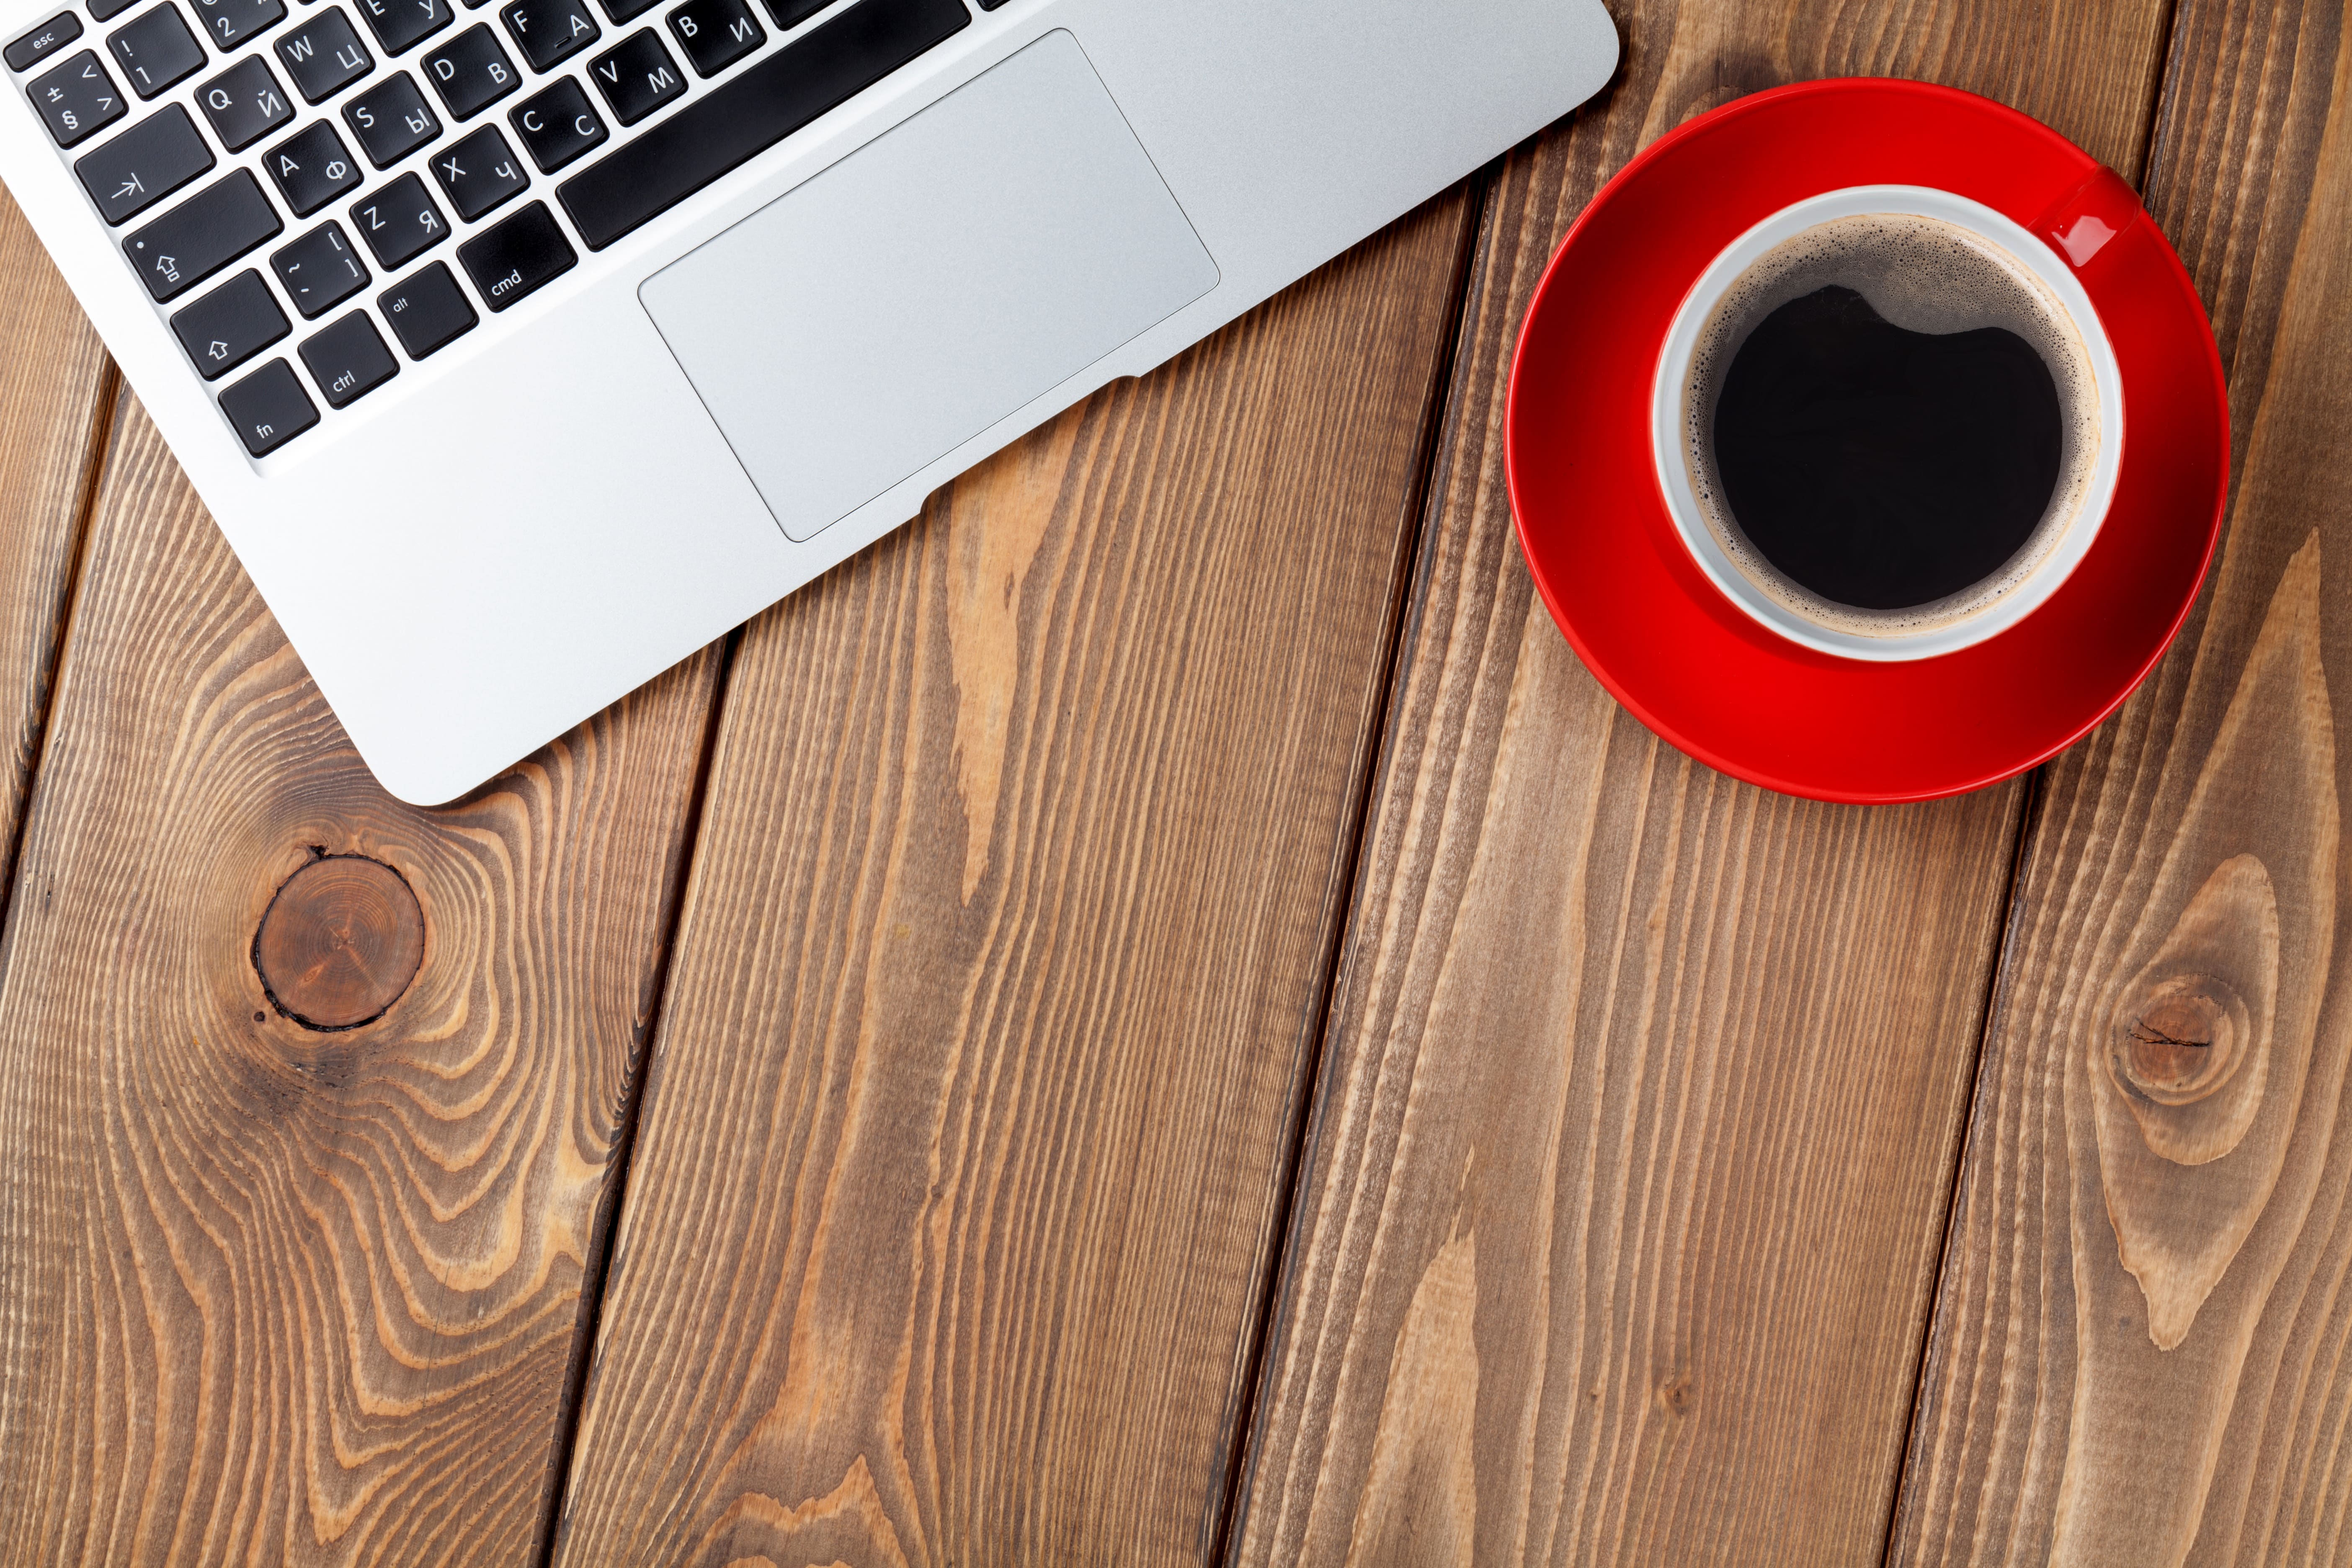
x,y
270,1293
948,1232
2140,1350
1631,1152
56,387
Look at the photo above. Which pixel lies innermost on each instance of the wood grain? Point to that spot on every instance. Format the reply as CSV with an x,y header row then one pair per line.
x,y
2140,1350
269,1293
57,387
949,1229
1631,1152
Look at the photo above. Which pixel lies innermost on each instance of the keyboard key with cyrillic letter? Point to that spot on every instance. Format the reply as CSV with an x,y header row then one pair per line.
x,y
472,72
312,168
145,165
400,25
204,234
324,56
76,100
714,34
479,172
391,120
510,260
558,125
549,32
44,41
156,50
230,325
427,311
244,103
739,120
319,271
349,359
635,76
399,222
269,408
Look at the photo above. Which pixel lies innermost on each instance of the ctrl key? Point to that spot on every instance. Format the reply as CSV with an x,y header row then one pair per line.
x,y
268,408
349,361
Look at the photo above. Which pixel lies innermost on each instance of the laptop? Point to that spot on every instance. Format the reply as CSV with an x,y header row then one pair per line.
x,y
573,333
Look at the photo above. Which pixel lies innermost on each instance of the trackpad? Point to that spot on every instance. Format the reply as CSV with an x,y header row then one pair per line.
x,y
934,282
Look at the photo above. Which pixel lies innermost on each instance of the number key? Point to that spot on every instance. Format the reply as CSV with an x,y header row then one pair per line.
x,y
156,50
399,222
76,99
231,22
312,168
244,104
319,270
391,120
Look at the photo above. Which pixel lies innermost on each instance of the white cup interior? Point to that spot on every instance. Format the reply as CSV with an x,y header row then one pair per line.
x,y
2022,597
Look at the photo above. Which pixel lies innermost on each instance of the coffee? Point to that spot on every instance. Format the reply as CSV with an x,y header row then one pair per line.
x,y
1889,423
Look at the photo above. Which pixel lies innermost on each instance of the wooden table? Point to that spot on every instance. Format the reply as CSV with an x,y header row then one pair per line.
x,y
1158,1015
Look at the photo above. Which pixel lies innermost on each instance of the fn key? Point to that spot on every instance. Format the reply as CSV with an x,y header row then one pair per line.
x,y
268,408
509,259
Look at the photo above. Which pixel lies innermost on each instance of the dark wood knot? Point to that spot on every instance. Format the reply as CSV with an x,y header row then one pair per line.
x,y
338,942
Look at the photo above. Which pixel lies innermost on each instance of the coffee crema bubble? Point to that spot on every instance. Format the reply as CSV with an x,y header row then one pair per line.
x,y
1914,431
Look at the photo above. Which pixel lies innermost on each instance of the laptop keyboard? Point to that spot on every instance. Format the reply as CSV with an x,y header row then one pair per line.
x,y
380,142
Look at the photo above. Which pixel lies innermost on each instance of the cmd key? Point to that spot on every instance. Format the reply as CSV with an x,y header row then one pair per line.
x,y
201,235
511,259
145,165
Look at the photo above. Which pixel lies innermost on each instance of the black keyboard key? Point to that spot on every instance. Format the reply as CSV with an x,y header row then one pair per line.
x,y
549,32
319,271
244,103
391,120
145,165
229,23
791,14
76,100
736,121
472,72
312,168
427,311
324,56
714,34
400,25
637,77
43,41
349,359
511,259
230,325
106,10
204,234
399,222
479,172
155,51
269,408
557,125
624,11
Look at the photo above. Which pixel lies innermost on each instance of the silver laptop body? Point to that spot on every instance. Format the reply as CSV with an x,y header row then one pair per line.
x,y
739,328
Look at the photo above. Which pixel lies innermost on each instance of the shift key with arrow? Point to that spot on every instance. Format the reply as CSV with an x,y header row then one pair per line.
x,y
175,252
145,165
230,325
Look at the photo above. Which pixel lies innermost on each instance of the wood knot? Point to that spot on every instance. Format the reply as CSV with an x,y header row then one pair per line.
x,y
1676,1392
340,941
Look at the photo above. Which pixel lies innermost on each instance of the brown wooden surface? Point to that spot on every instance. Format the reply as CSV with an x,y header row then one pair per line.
x,y
2140,1349
273,1294
1631,1156
1195,1026
948,1230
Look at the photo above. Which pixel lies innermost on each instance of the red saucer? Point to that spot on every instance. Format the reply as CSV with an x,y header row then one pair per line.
x,y
1665,641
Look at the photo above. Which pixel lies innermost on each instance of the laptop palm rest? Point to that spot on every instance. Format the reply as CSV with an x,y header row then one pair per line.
x,y
937,279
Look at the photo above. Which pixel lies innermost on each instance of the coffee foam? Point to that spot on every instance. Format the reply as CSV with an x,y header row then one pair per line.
x,y
1925,274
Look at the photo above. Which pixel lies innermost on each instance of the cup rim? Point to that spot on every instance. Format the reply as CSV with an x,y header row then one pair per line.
x,y
1681,343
